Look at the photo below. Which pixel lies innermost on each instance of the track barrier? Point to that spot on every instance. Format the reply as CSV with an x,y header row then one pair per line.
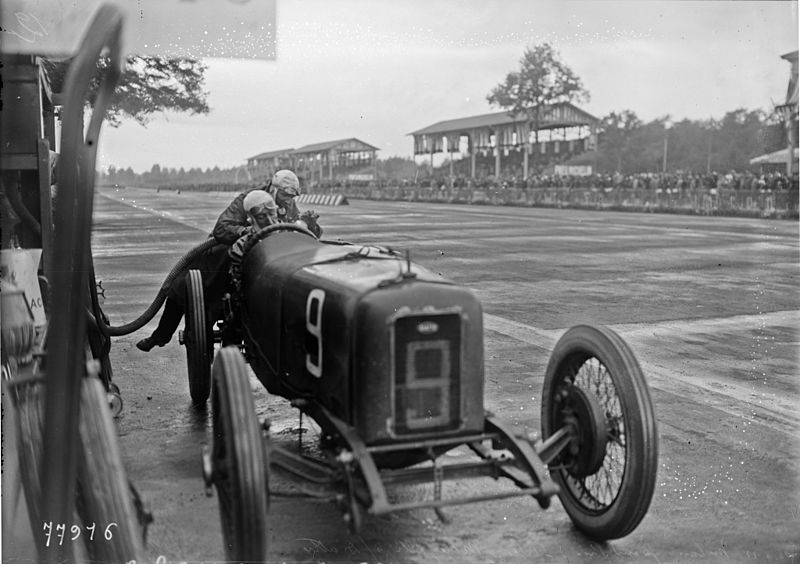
x,y
778,204
323,199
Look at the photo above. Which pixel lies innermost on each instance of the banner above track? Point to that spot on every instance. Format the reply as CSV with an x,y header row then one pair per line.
x,y
241,29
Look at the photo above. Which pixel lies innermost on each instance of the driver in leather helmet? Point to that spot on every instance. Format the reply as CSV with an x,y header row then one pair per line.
x,y
261,211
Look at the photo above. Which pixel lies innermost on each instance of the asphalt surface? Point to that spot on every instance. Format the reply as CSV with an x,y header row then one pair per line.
x,y
710,306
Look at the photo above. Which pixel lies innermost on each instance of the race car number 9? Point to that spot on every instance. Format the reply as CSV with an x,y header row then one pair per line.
x,y
314,326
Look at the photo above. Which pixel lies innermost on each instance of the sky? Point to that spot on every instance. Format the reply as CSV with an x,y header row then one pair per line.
x,y
377,70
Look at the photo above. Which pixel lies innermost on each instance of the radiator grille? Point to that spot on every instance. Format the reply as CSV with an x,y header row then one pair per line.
x,y
427,365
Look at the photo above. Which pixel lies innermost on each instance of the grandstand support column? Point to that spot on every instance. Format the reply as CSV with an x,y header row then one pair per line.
x,y
472,155
525,148
451,167
497,161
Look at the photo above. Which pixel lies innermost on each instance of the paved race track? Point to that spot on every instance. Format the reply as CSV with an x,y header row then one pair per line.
x,y
710,306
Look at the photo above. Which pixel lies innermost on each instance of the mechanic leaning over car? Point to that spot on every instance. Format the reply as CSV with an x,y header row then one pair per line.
x,y
233,223
284,187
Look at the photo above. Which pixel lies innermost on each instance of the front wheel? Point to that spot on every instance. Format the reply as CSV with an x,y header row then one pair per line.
x,y
197,339
607,473
238,460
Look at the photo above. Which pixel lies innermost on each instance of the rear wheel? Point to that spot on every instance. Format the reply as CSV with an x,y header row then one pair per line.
x,y
238,460
607,473
197,340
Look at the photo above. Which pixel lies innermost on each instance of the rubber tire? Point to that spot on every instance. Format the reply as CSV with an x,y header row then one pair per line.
x,y
635,493
196,339
106,499
239,460
104,495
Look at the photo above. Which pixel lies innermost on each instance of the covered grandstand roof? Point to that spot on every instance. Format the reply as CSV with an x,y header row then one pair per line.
x,y
351,144
270,154
553,116
778,157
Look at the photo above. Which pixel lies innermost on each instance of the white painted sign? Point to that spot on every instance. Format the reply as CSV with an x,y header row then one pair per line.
x,y
20,267
575,170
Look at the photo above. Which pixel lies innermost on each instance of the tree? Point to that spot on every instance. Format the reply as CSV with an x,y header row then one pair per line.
x,y
542,79
618,130
149,84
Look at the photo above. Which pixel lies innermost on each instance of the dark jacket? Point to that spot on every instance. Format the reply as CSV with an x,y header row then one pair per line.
x,y
232,222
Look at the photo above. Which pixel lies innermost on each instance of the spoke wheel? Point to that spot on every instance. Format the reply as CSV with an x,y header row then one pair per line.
x,y
238,460
607,473
196,339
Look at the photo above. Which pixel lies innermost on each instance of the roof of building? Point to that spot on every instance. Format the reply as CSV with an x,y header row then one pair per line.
x,y
503,118
352,144
777,157
270,154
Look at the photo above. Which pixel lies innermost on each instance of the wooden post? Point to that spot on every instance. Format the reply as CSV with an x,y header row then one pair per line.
x,y
450,151
525,148
433,148
472,155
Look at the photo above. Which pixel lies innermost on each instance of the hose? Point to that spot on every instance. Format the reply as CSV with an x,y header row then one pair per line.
x,y
179,268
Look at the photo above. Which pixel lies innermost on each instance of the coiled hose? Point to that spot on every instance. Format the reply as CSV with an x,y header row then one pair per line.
x,y
139,322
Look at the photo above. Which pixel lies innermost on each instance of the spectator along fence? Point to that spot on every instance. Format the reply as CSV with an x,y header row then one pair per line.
x,y
699,200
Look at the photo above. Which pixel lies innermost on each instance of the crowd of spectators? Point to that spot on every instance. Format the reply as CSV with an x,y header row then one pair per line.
x,y
672,181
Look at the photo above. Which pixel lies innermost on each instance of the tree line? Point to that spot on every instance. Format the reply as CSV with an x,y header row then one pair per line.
x,y
626,144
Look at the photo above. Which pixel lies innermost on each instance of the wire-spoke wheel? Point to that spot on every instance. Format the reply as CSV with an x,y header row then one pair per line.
x,y
238,460
595,388
196,339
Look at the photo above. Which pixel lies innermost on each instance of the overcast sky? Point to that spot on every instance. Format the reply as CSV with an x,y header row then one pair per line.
x,y
379,69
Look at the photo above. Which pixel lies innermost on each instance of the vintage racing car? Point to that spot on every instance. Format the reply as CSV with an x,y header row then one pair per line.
x,y
387,358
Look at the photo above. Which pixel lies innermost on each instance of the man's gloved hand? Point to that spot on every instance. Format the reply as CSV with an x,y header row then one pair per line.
x,y
310,219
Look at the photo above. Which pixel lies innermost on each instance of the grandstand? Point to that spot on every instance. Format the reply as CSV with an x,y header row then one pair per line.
x,y
503,145
343,160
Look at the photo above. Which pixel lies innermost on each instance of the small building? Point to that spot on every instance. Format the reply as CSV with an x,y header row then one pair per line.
x,y
785,160
775,161
342,160
498,142
265,164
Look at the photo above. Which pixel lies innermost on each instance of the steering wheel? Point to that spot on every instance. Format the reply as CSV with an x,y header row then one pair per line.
x,y
269,229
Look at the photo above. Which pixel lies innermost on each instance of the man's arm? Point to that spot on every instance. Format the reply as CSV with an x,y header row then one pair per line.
x,y
310,218
232,222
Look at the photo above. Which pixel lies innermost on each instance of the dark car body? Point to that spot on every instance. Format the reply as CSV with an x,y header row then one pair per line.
x,y
388,346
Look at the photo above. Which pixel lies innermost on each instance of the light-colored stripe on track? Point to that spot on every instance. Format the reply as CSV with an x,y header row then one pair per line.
x,y
716,390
